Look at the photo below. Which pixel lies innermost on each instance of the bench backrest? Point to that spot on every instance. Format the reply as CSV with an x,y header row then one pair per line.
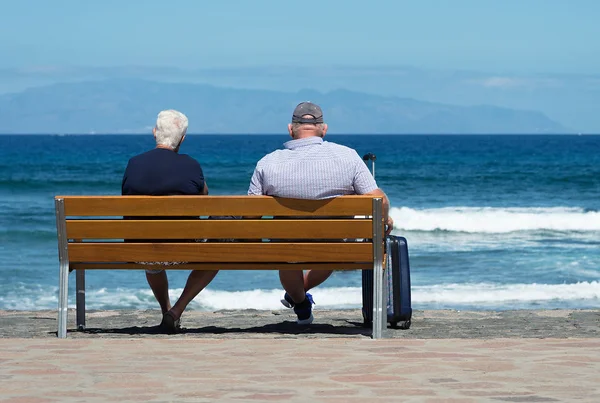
x,y
317,233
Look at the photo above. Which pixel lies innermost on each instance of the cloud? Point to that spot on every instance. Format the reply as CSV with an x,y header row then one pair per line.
x,y
502,82
42,70
516,82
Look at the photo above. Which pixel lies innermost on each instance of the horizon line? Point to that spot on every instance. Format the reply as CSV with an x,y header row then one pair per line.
x,y
329,134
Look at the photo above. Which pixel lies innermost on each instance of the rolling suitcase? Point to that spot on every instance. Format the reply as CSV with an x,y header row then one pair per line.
x,y
397,273
399,311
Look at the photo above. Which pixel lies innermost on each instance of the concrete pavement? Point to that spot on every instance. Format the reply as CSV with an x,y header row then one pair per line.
x,y
289,369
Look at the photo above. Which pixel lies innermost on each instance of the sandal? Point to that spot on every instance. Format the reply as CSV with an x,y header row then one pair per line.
x,y
169,324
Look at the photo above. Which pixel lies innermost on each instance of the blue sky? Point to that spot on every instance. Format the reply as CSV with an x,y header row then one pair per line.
x,y
525,36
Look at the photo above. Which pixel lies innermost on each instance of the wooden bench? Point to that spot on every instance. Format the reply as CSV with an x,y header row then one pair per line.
x,y
306,235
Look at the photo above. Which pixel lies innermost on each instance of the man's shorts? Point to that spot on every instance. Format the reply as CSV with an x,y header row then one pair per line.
x,y
157,271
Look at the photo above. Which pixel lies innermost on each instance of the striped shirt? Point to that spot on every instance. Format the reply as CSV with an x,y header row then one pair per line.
x,y
311,168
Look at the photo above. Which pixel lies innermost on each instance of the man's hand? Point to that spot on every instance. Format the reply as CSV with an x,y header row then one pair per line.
x,y
389,225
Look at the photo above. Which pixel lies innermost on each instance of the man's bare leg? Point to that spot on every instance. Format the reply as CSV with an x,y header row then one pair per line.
x,y
313,278
293,283
159,283
196,282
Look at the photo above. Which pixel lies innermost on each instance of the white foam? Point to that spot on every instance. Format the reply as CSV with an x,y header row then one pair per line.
x,y
447,295
495,220
495,293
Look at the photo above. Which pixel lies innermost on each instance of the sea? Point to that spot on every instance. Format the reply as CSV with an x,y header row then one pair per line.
x,y
493,222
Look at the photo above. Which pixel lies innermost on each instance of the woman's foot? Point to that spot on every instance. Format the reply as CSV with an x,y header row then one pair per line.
x,y
170,323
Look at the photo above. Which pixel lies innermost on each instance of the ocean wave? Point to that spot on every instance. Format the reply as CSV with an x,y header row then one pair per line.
x,y
486,293
496,219
37,297
474,295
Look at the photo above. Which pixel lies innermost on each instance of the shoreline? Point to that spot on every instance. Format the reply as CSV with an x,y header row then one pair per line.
x,y
246,324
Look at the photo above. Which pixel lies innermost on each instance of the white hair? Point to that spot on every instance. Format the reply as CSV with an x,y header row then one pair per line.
x,y
171,126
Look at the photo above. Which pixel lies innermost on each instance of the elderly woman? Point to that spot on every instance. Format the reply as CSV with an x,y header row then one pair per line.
x,y
163,172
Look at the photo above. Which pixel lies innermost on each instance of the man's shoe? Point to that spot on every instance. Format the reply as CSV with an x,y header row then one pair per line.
x,y
304,310
287,301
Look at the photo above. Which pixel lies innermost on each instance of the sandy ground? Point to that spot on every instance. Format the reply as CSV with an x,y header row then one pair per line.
x,y
435,324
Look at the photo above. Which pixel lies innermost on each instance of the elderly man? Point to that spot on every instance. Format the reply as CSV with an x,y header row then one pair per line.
x,y
310,168
163,172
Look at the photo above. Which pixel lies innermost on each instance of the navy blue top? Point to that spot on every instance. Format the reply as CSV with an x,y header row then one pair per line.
x,y
162,172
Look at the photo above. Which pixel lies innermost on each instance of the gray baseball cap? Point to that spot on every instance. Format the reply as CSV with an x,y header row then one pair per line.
x,y
307,108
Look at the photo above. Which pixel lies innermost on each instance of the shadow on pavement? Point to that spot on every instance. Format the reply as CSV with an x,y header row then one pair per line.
x,y
287,327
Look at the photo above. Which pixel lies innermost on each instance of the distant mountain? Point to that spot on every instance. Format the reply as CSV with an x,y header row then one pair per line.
x,y
130,106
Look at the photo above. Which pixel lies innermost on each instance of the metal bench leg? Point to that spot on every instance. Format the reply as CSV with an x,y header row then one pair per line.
x,y
63,274
379,310
80,301
63,298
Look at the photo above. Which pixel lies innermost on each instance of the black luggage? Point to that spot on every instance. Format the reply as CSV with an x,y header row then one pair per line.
x,y
397,272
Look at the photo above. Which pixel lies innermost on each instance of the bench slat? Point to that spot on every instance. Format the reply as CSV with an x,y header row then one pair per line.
x,y
225,266
219,229
221,252
98,206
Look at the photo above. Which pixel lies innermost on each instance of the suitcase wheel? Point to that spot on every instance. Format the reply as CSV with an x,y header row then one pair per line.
x,y
405,325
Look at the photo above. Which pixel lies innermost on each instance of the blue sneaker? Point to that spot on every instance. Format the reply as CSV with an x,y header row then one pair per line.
x,y
287,301
304,310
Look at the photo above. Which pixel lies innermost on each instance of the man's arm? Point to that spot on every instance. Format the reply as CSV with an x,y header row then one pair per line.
x,y
364,182
205,189
255,188
389,222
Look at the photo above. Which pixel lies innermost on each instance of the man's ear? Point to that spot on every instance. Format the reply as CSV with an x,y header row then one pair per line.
x,y
154,132
290,130
324,129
